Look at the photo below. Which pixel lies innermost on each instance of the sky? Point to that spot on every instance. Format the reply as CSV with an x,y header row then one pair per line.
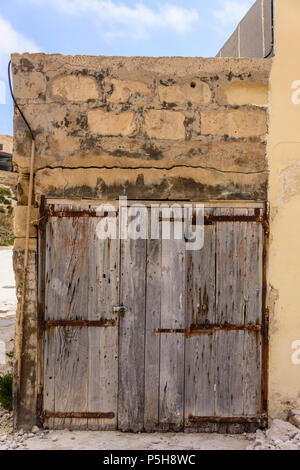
x,y
112,27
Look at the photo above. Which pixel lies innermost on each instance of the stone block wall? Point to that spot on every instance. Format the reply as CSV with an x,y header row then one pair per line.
x,y
170,128
148,128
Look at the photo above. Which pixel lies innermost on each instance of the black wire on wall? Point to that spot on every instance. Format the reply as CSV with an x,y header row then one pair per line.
x,y
15,101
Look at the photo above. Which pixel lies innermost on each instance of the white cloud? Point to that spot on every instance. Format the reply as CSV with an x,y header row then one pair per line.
x,y
118,19
12,41
232,11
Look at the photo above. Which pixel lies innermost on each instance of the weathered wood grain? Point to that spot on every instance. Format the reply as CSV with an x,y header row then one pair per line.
x,y
132,335
71,375
201,282
201,308
103,258
199,376
173,303
230,280
229,373
152,339
254,272
66,268
49,375
252,373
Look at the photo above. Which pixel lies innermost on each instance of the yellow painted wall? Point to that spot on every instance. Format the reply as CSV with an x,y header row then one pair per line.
x,y
284,196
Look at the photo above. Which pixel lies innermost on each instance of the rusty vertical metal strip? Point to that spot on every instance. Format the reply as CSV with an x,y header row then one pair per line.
x,y
265,310
41,308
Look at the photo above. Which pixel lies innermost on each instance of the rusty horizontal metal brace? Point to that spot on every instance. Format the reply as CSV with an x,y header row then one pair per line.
x,y
223,327
206,328
51,212
212,219
261,419
77,414
168,330
79,323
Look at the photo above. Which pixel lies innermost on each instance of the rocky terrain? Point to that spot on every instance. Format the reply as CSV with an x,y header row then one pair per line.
x,y
281,435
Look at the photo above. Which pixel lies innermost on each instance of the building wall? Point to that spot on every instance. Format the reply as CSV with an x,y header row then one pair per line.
x,y
253,36
284,195
163,128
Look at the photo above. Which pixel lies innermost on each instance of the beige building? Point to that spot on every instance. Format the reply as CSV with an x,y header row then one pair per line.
x,y
6,143
141,334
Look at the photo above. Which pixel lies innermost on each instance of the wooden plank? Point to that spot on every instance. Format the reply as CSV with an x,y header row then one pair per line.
x,y
49,375
66,298
201,284
66,268
201,308
103,342
199,376
71,375
254,272
231,250
239,287
152,339
132,336
173,302
229,373
252,373
230,279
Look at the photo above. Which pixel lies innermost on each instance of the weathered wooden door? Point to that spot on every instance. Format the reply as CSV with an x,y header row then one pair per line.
x,y
146,335
81,327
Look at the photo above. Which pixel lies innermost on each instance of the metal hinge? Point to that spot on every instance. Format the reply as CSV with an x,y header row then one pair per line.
x,y
120,310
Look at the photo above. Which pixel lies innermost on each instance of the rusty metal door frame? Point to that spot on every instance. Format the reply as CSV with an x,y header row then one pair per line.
x,y
48,210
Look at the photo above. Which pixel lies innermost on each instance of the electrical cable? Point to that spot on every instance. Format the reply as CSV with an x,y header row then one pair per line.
x,y
15,101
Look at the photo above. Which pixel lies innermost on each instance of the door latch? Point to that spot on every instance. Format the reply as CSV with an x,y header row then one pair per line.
x,y
120,310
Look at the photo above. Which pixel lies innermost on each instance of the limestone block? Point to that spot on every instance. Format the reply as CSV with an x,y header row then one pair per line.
x,y
237,123
75,88
193,91
19,244
241,93
30,87
20,215
124,89
162,124
108,123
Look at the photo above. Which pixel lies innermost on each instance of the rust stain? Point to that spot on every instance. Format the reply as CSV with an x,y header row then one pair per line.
x,y
167,330
165,269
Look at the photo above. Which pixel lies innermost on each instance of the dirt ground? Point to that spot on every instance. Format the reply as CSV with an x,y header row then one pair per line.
x,y
100,440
